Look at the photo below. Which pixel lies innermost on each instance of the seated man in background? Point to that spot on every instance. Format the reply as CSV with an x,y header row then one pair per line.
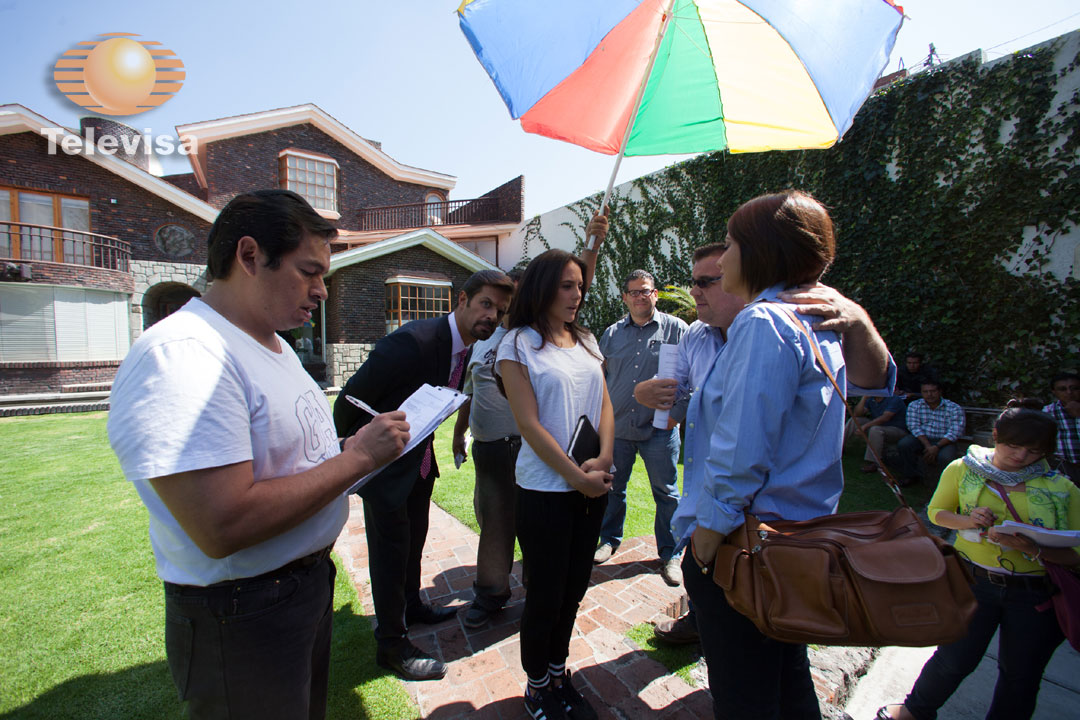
x,y
1066,413
935,425
912,374
883,419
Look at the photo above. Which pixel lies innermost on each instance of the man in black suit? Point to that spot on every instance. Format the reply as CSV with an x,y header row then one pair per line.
x,y
396,501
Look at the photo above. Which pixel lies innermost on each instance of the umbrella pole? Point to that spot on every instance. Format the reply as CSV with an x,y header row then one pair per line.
x,y
590,244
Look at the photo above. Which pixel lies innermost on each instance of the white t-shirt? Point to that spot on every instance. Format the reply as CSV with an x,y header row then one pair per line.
x,y
197,392
568,383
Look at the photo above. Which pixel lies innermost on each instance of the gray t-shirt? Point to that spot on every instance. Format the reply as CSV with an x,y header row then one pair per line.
x,y
490,418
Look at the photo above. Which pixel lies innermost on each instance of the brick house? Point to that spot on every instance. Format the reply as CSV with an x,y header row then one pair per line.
x,y
94,248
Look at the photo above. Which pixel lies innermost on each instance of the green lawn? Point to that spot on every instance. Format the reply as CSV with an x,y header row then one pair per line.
x,y
81,611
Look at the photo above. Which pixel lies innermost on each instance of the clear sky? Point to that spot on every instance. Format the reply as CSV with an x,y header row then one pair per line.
x,y
401,72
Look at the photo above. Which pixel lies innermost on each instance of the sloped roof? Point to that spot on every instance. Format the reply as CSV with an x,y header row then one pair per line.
x,y
15,118
238,125
425,237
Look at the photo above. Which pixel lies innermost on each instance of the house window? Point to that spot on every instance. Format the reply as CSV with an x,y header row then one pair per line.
x,y
312,176
410,298
48,211
435,209
54,323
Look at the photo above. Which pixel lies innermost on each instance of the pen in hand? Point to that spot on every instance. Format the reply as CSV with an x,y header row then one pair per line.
x,y
362,405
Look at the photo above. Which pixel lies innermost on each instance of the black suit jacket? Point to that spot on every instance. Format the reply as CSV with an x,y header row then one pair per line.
x,y
414,354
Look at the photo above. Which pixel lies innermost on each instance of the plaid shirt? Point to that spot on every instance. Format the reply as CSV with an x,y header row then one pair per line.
x,y
1068,440
946,421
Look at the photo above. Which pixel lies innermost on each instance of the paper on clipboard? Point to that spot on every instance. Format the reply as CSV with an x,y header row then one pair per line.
x,y
1043,536
424,410
668,356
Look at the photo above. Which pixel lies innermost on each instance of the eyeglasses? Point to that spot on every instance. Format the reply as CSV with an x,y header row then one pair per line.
x,y
705,280
640,293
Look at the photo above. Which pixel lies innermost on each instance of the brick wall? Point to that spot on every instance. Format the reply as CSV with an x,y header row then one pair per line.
x,y
356,308
136,214
23,378
188,183
51,273
250,162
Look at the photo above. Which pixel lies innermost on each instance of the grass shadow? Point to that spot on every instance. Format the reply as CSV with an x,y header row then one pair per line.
x,y
142,691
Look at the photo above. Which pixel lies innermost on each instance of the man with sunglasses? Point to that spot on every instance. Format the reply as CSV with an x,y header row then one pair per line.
x,y
631,349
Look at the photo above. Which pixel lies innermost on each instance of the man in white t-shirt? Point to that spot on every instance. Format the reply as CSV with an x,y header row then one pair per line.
x,y
231,446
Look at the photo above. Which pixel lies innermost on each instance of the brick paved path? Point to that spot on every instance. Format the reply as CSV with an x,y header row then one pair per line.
x,y
485,680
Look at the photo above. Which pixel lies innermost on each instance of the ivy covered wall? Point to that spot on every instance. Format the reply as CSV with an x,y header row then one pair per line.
x,y
956,197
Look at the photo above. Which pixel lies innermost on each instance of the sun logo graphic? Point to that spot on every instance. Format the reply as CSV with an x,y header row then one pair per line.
x,y
118,75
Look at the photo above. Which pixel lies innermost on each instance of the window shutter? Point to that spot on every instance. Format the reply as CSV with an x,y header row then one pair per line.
x,y
70,314
27,330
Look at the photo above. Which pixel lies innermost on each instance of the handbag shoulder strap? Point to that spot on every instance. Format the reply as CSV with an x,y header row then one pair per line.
x,y
1005,496
883,471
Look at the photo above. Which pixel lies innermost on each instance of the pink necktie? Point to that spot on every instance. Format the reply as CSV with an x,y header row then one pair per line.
x,y
455,378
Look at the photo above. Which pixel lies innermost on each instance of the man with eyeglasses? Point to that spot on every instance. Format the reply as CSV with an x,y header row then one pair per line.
x,y
631,349
867,359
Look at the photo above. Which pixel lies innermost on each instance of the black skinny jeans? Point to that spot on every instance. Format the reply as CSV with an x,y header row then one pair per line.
x,y
558,532
1028,639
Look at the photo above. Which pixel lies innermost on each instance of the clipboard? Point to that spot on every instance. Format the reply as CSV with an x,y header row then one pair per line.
x,y
585,441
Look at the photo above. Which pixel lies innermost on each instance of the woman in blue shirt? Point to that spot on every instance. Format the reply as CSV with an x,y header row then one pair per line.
x,y
773,444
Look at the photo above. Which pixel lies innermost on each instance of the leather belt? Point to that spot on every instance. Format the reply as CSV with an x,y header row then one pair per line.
x,y
1031,582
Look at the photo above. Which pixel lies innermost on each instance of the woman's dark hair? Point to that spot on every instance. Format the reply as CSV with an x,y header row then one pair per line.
x,y
1021,424
277,219
786,237
536,291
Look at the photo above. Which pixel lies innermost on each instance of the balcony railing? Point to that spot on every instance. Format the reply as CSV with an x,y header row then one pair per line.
x,y
428,214
23,241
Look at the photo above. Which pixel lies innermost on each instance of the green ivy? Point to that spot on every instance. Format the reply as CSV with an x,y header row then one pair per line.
x,y
931,191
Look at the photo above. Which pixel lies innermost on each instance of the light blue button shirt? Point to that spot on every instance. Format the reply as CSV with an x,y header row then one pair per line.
x,y
698,349
765,432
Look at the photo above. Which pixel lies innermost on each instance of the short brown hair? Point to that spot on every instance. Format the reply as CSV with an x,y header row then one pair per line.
x,y
707,251
786,237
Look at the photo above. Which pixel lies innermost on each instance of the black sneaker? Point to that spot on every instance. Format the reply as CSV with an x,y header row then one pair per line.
x,y
575,706
545,706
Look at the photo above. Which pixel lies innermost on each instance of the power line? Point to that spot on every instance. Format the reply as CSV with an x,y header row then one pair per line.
x,y
1019,37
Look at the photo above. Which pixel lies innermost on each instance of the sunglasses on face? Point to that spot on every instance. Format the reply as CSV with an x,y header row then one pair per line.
x,y
640,293
705,280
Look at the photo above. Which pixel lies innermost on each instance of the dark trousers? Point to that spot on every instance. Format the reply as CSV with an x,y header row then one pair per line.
x,y
255,648
558,532
494,503
912,465
751,677
1027,641
395,539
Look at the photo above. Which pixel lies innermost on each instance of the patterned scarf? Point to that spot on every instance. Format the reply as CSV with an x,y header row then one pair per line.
x,y
980,460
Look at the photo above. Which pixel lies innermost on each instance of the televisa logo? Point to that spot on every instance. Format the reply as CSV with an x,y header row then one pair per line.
x,y
118,75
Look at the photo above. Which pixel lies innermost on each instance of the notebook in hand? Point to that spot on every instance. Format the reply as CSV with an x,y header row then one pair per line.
x,y
585,442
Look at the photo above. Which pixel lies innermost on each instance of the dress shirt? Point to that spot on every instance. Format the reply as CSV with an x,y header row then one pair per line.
x,y
1068,439
698,350
944,421
632,354
765,433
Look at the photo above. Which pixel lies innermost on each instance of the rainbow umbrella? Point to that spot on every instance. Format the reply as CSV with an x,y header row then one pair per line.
x,y
652,77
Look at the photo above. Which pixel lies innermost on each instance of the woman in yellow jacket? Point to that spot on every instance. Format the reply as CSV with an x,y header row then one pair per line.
x,y
1010,579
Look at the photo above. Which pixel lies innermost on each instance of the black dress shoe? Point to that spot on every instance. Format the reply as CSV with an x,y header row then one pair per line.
x,y
424,614
411,663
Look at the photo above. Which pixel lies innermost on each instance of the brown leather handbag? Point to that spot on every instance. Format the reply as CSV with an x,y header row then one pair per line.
x,y
865,579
